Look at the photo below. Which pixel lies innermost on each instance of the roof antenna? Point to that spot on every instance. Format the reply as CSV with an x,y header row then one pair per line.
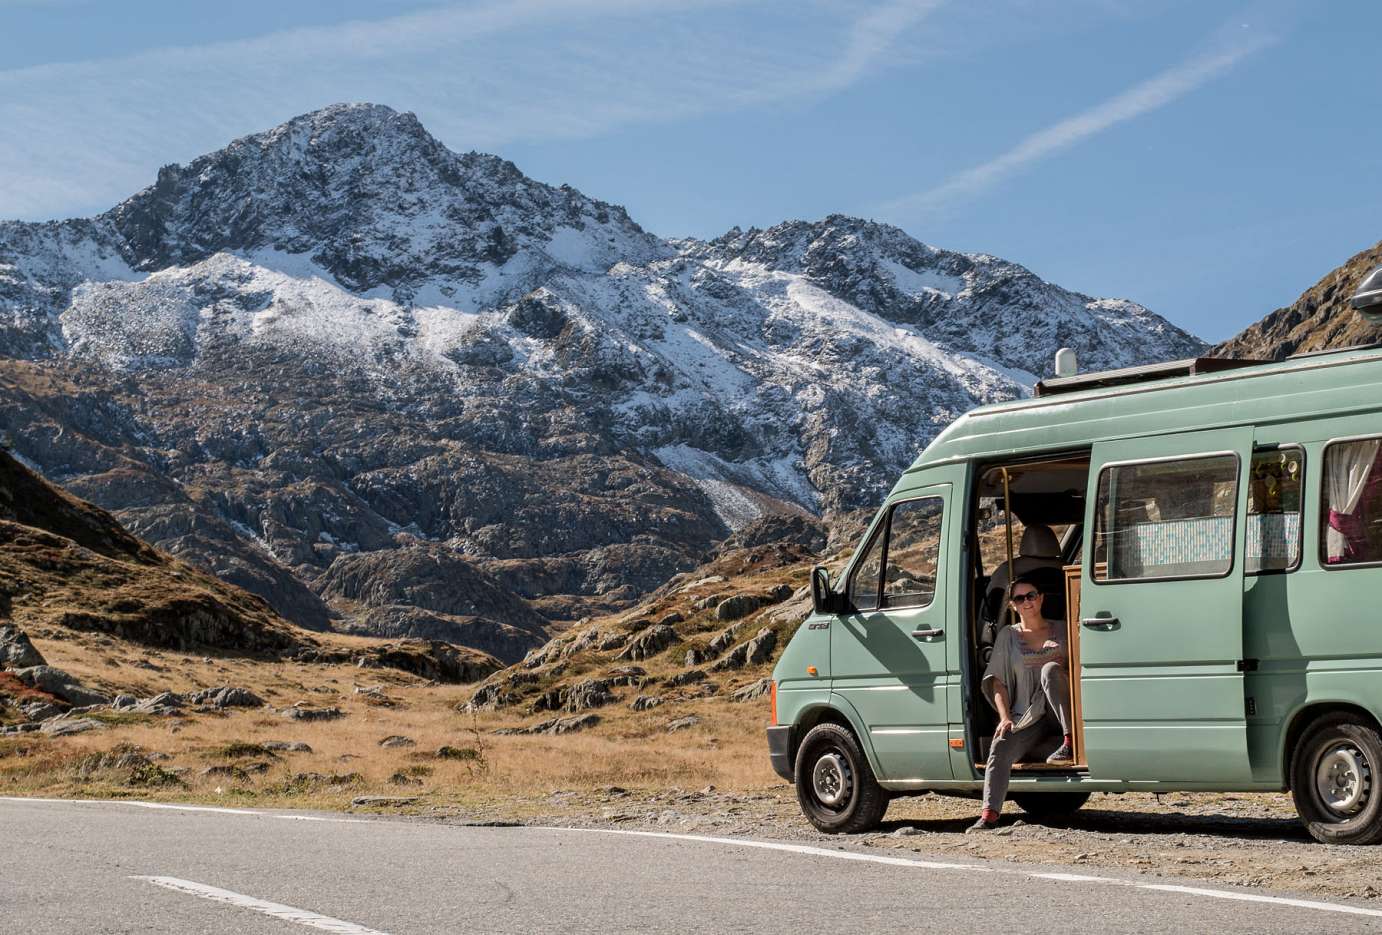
x,y
1068,366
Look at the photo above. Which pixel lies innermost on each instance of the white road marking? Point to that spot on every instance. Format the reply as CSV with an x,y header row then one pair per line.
x,y
136,803
277,910
190,808
773,846
1255,898
939,865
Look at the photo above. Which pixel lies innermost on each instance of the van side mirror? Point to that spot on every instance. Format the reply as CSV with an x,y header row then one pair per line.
x,y
1367,301
823,599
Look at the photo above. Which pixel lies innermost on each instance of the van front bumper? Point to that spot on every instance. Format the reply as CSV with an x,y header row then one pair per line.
x,y
780,750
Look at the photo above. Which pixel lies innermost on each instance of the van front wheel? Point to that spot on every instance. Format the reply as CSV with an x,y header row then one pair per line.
x,y
835,785
1335,776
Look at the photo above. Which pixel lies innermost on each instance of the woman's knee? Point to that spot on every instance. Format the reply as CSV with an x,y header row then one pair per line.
x,y
1051,671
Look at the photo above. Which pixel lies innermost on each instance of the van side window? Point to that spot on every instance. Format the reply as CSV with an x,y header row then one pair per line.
x,y
1166,519
914,542
1351,515
1274,526
863,584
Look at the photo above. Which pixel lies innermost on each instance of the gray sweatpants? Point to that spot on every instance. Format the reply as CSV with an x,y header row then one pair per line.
x,y
1038,740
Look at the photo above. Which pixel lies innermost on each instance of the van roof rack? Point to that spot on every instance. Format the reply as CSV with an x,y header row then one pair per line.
x,y
1144,374
1334,350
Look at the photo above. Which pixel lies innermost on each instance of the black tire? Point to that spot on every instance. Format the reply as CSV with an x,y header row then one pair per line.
x,y
1050,804
830,760
1336,780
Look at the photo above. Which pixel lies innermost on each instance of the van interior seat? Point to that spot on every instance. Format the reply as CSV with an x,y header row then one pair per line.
x,y
1039,555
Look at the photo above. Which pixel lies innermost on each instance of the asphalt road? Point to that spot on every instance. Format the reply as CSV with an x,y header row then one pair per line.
x,y
70,867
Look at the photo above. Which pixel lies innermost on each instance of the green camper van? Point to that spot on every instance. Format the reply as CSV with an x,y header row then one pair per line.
x,y
1212,534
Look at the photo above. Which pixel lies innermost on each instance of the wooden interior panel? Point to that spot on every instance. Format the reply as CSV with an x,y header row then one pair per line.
x,y
1072,624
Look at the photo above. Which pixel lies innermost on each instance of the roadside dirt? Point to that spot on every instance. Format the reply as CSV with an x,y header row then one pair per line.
x,y
1248,840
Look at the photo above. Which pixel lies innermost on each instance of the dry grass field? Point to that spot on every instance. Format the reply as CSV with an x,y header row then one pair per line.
x,y
629,749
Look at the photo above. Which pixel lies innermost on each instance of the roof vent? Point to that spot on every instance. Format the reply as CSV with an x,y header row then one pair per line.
x,y
1066,363
1367,301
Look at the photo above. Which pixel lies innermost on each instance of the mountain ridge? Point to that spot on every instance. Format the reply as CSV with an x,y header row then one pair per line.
x,y
337,337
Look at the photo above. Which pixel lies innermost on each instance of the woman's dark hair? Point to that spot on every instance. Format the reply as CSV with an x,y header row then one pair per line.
x,y
1027,579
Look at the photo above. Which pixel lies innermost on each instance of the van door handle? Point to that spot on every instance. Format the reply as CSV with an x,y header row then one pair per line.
x,y
1101,623
928,634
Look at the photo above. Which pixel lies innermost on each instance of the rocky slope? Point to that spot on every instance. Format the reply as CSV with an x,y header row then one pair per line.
x,y
70,572
1320,319
335,349
65,563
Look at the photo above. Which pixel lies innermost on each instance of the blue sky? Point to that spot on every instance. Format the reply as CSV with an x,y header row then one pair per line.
x,y
1210,160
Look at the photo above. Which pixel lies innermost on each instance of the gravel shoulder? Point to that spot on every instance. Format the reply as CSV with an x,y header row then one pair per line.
x,y
1247,840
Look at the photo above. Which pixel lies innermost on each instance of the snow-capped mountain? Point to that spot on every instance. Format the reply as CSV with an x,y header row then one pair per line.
x,y
338,336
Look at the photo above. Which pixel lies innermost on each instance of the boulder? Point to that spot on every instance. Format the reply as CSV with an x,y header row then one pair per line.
x,y
57,682
298,713
612,642
650,642
568,725
61,727
682,723
398,740
722,641
559,725
122,702
645,702
709,602
740,605
382,801
755,651
162,703
752,690
686,678
287,746
225,697
16,652
40,710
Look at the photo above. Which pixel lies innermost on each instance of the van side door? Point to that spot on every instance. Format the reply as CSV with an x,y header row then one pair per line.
x,y
1161,608
888,653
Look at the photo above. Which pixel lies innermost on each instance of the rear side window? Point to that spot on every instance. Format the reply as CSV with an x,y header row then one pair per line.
x,y
1274,526
1166,519
898,568
1352,510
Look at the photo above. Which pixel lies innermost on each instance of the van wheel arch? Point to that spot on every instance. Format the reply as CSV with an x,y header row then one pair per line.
x,y
1305,718
823,714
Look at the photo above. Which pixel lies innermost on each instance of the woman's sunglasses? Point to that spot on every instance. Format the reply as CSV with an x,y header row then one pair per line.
x,y
1025,596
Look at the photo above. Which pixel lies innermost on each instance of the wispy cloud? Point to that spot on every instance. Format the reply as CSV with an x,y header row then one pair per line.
x,y
1150,95
481,75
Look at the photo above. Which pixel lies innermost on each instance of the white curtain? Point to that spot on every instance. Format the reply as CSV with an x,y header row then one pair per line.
x,y
1346,474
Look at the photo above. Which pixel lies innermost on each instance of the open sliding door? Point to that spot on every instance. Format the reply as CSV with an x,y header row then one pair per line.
x,y
1162,608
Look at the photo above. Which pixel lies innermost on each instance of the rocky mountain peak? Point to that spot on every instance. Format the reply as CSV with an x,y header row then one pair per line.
x,y
336,345
369,196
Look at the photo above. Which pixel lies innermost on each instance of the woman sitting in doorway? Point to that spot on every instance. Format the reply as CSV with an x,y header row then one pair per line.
x,y
1027,683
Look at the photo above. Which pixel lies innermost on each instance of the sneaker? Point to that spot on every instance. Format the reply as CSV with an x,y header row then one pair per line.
x,y
1063,755
981,825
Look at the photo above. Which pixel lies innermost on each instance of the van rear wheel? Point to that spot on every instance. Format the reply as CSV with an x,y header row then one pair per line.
x,y
1050,804
1335,777
835,785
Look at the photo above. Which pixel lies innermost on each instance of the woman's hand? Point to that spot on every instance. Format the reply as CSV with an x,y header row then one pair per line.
x,y
1005,727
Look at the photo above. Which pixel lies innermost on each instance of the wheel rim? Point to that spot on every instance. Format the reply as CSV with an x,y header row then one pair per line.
x,y
1343,779
832,780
